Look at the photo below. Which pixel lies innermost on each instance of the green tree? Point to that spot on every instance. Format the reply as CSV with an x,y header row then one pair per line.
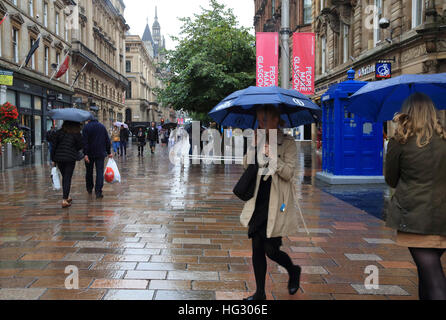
x,y
214,57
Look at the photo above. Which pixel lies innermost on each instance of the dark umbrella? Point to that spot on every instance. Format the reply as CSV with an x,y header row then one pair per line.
x,y
169,125
71,114
239,109
380,100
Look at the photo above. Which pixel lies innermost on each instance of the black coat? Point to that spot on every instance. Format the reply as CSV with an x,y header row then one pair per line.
x,y
152,134
124,135
141,136
419,176
66,146
97,143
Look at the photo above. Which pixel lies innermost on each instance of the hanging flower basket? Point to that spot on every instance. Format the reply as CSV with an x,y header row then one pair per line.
x,y
9,132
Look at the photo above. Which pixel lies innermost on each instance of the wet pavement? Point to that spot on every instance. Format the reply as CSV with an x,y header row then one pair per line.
x,y
173,232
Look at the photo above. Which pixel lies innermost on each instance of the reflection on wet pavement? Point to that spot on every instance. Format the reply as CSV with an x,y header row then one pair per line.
x,y
173,232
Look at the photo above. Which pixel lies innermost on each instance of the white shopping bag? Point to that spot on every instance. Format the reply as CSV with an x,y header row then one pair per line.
x,y
112,174
56,179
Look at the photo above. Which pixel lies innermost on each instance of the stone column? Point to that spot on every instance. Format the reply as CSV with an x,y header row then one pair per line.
x,y
2,95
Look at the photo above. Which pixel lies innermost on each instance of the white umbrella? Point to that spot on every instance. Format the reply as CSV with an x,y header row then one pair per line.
x,y
120,124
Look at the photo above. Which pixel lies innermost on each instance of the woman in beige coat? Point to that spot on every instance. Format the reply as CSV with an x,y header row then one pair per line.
x,y
271,213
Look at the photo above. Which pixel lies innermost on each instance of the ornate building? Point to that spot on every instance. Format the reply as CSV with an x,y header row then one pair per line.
x,y
33,91
98,41
350,35
142,59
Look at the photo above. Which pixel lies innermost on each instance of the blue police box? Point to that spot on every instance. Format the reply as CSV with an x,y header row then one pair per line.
x,y
352,147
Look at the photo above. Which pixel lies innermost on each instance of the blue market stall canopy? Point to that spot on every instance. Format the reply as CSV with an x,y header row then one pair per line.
x,y
379,101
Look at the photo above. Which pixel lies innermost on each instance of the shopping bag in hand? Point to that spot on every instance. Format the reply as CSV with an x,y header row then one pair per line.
x,y
56,179
111,174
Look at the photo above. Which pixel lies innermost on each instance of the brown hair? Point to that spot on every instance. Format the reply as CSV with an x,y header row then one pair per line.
x,y
418,118
71,127
273,111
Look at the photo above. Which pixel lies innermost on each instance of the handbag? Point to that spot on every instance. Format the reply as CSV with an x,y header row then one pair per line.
x,y
80,156
245,187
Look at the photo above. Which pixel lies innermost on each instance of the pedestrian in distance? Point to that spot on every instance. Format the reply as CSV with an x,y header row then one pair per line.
x,y
116,139
97,147
271,214
124,138
153,136
141,136
47,137
66,144
416,167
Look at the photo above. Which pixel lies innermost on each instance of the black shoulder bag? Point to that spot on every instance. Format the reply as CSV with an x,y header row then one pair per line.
x,y
246,186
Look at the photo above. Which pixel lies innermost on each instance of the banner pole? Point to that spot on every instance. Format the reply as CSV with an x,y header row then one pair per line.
x,y
285,36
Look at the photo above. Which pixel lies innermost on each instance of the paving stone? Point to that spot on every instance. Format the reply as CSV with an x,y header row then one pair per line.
x,y
362,257
192,275
129,295
184,295
379,241
383,290
20,294
307,249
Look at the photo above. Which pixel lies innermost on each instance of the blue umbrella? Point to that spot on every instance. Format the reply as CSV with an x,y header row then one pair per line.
x,y
379,101
239,109
71,114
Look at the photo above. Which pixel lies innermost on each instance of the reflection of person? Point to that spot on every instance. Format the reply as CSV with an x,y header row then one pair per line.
x,y
271,213
415,166
96,148
66,142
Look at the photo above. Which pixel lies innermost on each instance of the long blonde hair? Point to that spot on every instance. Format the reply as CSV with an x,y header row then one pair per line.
x,y
418,118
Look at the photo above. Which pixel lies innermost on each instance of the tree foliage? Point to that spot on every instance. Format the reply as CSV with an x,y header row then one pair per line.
x,y
214,57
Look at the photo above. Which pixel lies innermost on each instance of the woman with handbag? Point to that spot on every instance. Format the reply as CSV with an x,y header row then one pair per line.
x,y
270,213
116,140
416,167
67,144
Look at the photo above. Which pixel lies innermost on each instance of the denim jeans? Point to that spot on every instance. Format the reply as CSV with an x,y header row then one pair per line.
x,y
116,145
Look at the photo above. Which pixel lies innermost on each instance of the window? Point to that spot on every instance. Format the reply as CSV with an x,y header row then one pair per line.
x,y
45,15
417,13
323,54
57,23
58,59
47,60
307,11
31,8
273,7
377,14
128,66
33,59
66,30
345,43
15,47
322,4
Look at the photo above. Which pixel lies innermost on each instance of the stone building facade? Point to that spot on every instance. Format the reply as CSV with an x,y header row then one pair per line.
x,y
349,36
33,91
98,41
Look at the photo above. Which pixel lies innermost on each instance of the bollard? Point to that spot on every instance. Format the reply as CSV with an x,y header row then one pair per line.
x,y
9,156
2,159
44,152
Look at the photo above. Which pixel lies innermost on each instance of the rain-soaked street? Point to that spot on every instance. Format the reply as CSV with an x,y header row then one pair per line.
x,y
173,232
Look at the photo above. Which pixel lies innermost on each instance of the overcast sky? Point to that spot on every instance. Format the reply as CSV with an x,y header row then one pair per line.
x,y
137,12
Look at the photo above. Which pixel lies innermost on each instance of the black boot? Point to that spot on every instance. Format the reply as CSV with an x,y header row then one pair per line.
x,y
294,282
256,296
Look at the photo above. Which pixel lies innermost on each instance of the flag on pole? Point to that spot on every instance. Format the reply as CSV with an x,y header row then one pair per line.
x,y
63,67
78,74
4,18
32,50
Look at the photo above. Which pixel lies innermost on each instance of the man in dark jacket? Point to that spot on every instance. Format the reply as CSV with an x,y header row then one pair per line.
x,y
97,146
124,137
152,136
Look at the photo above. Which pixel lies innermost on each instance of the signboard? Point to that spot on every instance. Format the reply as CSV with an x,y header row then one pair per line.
x,y
267,66
383,70
6,78
304,62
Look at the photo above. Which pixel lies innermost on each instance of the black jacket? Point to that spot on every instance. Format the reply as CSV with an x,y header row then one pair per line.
x,y
96,140
419,176
66,146
152,134
141,136
124,134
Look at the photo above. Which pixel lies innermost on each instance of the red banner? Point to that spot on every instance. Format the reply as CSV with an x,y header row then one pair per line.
x,y
303,62
267,70
63,68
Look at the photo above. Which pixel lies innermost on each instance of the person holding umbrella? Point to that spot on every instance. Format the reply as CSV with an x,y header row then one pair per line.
x,y
66,144
141,136
152,136
416,167
116,139
124,138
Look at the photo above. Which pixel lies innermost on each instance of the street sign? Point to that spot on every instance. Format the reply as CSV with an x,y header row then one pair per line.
x,y
6,78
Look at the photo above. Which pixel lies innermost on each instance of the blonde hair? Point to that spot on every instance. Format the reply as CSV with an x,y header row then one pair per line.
x,y
273,111
418,118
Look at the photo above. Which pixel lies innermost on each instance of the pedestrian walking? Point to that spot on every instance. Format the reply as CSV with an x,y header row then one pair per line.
x,y
47,137
415,166
152,136
141,136
96,147
116,140
271,214
66,144
124,138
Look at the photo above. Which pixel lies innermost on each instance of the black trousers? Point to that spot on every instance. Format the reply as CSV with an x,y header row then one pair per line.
x,y
141,148
67,170
123,148
99,163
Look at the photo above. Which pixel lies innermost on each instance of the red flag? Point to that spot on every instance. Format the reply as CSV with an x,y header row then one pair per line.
x,y
267,47
4,18
63,68
303,62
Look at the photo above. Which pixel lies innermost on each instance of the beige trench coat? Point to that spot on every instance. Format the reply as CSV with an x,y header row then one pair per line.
x,y
280,224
